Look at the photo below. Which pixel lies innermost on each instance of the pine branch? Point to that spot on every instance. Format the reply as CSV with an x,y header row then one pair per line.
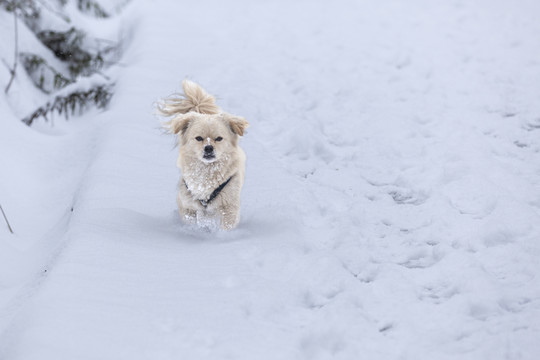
x,y
99,95
59,14
5,218
44,76
92,7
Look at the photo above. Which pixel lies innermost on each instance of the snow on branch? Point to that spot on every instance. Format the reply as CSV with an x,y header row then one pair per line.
x,y
92,7
77,96
69,76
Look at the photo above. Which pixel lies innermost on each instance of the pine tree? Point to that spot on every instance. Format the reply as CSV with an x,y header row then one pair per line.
x,y
81,57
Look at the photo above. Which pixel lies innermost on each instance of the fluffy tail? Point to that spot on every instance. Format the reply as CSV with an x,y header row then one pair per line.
x,y
195,98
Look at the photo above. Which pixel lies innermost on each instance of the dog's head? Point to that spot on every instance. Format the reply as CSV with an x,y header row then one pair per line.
x,y
207,137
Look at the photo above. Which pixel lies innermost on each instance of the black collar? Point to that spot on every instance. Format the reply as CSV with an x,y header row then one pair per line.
x,y
213,195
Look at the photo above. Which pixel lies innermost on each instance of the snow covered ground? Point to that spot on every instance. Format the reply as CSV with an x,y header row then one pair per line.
x,y
392,200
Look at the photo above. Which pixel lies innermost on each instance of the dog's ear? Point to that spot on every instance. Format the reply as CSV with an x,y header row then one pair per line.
x,y
237,124
179,124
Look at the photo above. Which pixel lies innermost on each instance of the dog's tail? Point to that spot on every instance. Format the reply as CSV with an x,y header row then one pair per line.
x,y
195,98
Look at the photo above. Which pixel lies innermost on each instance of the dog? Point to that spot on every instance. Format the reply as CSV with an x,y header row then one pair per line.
x,y
211,162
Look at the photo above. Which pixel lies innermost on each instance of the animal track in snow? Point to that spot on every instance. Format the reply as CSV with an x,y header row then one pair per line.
x,y
533,125
514,305
478,201
319,299
438,293
401,193
498,238
421,259
520,144
408,197
483,312
386,327
367,275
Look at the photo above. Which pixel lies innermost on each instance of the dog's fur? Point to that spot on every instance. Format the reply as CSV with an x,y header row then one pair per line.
x,y
201,125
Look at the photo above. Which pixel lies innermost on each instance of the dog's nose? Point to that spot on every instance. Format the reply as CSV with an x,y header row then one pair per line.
x,y
208,149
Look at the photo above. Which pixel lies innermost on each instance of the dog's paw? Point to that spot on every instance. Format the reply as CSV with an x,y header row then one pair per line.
x,y
229,222
227,226
189,216
229,217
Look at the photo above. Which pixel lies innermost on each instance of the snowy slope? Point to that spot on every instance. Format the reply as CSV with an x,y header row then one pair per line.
x,y
391,207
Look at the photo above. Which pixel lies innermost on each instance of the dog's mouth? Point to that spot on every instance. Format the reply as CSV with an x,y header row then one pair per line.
x,y
209,157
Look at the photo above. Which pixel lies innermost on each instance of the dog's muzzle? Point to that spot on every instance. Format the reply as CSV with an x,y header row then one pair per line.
x,y
209,152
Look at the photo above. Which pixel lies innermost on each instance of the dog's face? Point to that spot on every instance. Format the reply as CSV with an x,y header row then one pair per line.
x,y
208,138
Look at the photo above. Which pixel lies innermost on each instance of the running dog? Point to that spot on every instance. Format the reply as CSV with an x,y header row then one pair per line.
x,y
212,164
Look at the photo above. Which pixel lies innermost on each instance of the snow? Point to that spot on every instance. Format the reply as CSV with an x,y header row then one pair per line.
x,y
391,208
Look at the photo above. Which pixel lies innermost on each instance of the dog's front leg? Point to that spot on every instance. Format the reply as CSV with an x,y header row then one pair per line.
x,y
187,215
230,215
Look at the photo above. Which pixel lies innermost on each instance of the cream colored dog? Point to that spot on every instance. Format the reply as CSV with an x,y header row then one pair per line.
x,y
211,162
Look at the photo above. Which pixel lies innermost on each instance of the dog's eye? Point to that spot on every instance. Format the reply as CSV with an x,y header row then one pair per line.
x,y
219,138
198,138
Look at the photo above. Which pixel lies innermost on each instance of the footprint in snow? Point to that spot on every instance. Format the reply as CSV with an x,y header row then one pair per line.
x,y
438,293
319,299
471,196
533,125
499,238
423,258
408,197
514,304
